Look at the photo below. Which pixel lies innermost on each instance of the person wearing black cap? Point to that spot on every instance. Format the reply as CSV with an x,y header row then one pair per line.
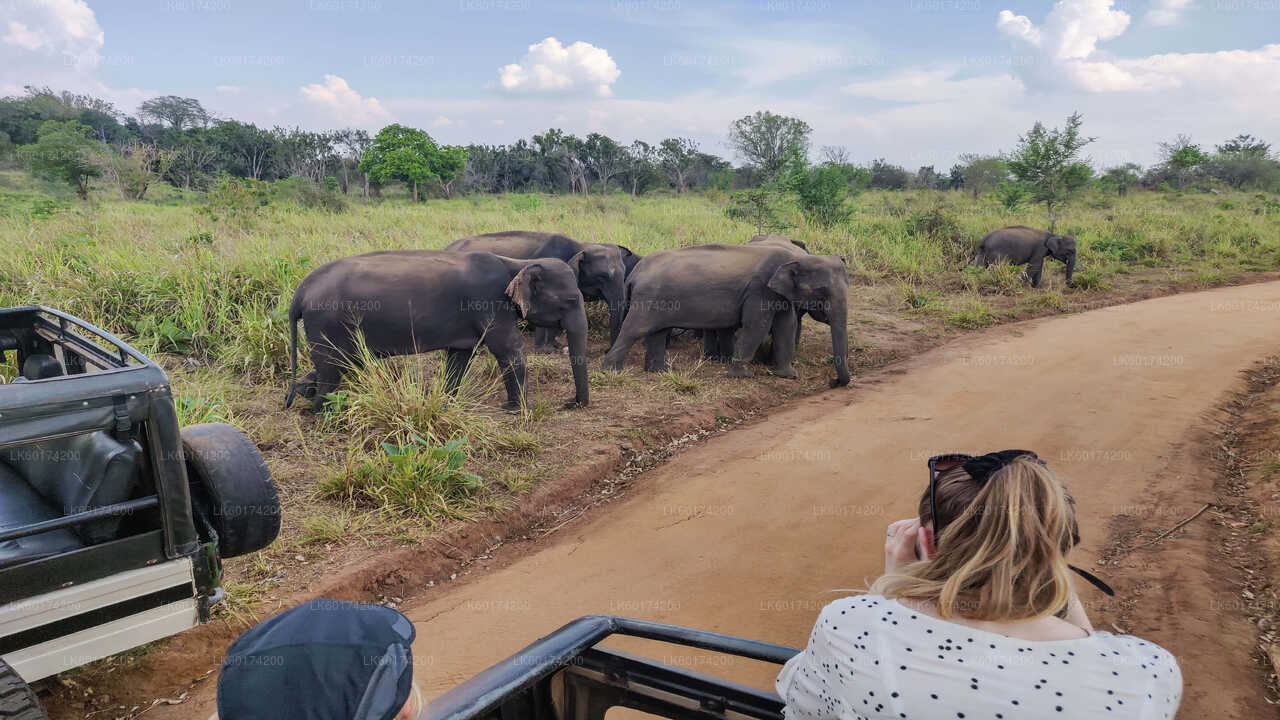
x,y
323,660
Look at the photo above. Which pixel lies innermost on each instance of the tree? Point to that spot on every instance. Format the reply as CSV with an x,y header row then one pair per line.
x,y
1120,177
604,157
642,167
770,142
1048,163
1245,161
134,168
447,164
411,156
888,177
176,112
63,151
679,157
245,147
355,142
982,172
927,178
757,206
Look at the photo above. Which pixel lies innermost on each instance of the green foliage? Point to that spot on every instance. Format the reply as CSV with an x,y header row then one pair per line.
x,y
415,478
821,191
526,203
309,194
63,152
164,334
759,207
411,156
1047,163
771,143
1011,195
982,173
195,408
236,198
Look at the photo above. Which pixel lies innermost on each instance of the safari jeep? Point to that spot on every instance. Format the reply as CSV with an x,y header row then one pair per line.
x,y
113,521
567,675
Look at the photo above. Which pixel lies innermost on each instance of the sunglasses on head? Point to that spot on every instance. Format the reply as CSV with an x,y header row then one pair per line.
x,y
981,468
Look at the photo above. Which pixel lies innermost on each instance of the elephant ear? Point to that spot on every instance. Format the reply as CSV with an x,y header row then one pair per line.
x,y
1054,245
575,264
520,289
786,280
800,244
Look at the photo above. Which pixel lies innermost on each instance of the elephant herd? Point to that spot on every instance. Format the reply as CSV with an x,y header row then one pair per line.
x,y
476,291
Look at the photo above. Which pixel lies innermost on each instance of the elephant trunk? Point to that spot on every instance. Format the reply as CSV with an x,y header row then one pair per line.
x,y
614,294
576,330
1071,265
838,318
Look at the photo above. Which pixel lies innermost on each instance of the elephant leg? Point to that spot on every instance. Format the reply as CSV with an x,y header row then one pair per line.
x,y
544,341
508,349
655,351
328,374
455,366
724,344
784,343
755,326
717,345
1034,270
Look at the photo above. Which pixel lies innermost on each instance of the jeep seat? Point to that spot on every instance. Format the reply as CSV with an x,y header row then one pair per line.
x,y
21,505
41,366
79,473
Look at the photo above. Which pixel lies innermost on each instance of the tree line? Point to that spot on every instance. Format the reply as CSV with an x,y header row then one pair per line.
x,y
81,140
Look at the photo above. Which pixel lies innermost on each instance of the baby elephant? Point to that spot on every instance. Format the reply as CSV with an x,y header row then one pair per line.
x,y
411,301
1021,245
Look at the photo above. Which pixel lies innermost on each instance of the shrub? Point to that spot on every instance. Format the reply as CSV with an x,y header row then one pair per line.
x,y
1011,194
416,478
821,191
236,198
309,194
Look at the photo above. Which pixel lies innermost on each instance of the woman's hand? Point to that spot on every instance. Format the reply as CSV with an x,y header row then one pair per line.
x,y
900,544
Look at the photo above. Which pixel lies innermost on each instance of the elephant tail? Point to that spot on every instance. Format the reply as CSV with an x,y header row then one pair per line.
x,y
295,314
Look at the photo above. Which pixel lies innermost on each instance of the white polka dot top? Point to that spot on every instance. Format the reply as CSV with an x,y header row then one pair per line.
x,y
872,658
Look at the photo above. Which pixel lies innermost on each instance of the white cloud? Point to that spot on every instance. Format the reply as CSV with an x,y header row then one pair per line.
x,y
549,66
335,98
442,122
54,42
1063,53
229,89
1166,12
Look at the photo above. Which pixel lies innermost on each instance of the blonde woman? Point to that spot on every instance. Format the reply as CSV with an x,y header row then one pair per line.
x,y
975,616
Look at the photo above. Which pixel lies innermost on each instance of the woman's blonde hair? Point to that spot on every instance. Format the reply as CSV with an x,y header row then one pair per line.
x,y
1002,554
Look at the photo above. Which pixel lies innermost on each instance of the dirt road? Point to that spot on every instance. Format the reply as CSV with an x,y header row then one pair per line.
x,y
752,532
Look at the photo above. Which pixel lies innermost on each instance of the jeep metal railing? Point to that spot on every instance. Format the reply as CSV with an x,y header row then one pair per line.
x,y
587,680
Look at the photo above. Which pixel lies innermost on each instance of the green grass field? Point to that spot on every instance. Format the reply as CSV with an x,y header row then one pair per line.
x,y
206,291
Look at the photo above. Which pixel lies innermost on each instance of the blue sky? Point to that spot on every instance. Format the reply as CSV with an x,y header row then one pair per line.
x,y
915,81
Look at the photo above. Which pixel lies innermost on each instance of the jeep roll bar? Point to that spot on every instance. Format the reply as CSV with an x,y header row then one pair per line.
x,y
588,680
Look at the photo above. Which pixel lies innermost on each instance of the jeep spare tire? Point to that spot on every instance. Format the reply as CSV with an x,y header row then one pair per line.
x,y
17,701
231,487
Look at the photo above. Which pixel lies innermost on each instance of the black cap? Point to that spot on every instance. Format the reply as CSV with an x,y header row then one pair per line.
x,y
323,660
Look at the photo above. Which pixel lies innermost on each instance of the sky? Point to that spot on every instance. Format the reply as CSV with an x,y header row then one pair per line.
x,y
917,82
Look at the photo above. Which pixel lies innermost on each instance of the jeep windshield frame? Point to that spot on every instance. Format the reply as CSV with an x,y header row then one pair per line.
x,y
566,676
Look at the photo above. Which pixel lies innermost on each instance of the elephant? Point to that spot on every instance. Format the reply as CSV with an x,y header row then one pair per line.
x,y
411,301
601,270
718,345
756,289
1021,245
